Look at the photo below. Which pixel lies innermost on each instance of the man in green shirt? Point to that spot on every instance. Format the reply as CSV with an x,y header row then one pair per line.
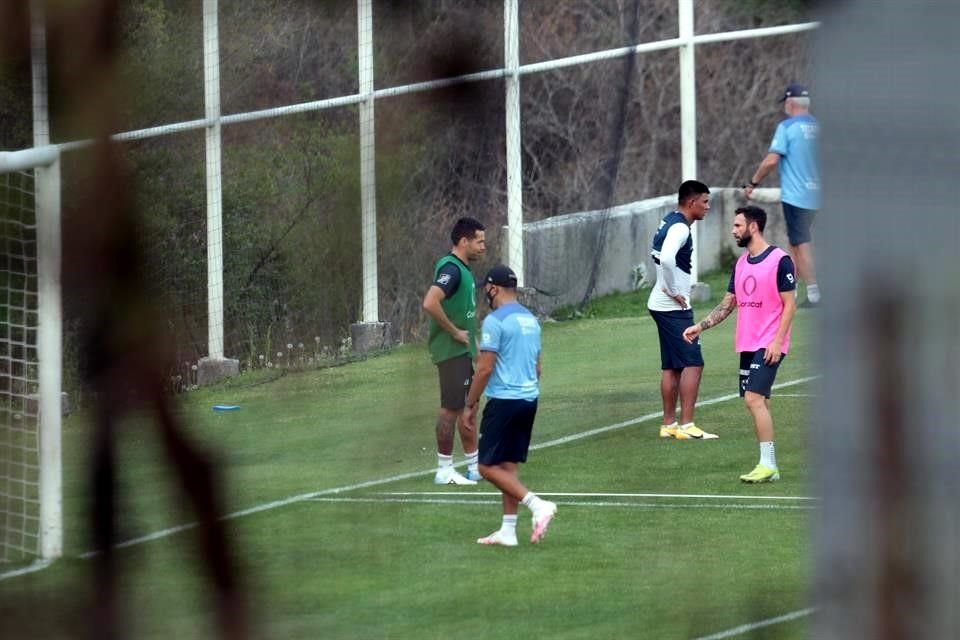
x,y
452,306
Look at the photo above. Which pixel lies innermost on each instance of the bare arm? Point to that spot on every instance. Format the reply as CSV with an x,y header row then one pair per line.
x,y
431,304
715,317
485,363
768,164
774,349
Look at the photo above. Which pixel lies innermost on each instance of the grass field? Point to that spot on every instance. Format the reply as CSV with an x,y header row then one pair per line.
x,y
343,534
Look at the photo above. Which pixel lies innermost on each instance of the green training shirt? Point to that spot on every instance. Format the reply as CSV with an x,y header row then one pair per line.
x,y
461,309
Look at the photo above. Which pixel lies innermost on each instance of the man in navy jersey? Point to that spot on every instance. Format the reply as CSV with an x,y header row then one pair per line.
x,y
762,289
508,369
681,363
794,151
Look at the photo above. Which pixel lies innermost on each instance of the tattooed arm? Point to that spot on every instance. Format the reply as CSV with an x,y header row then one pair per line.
x,y
718,315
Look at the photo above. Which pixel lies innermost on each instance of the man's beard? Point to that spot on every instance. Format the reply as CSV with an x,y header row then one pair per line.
x,y
744,240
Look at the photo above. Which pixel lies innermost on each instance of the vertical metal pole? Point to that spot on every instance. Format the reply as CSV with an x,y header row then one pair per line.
x,y
38,61
211,86
49,357
49,306
511,55
368,179
688,109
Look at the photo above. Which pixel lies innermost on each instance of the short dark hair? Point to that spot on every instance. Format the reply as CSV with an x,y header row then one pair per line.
x,y
691,188
754,214
465,228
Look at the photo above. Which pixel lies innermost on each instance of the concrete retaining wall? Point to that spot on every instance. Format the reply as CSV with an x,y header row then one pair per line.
x,y
561,253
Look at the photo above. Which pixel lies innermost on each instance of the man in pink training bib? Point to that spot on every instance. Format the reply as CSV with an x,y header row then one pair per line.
x,y
762,289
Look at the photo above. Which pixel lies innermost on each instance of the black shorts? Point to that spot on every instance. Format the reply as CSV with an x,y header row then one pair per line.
x,y
799,224
505,430
456,374
675,352
755,374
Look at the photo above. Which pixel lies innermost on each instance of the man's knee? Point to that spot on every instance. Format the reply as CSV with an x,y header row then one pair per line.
x,y
754,401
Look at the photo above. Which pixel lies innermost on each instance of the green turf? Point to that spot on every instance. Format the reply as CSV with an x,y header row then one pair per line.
x,y
610,567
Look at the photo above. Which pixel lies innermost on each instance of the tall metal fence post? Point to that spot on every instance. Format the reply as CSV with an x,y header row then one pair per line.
x,y
511,54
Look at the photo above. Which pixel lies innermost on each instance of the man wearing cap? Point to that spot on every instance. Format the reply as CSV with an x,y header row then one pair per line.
x,y
794,150
451,304
508,369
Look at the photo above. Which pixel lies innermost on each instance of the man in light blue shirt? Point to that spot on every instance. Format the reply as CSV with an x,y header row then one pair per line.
x,y
794,150
508,368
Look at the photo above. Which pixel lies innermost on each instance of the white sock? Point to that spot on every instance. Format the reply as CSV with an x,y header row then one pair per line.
x,y
509,525
672,425
768,456
472,461
531,501
813,293
444,462
688,425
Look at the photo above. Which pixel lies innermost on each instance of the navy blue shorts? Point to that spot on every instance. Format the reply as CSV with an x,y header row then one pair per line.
x,y
799,224
755,374
675,352
505,430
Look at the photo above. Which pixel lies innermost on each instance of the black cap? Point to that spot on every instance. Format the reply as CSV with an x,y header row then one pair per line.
x,y
502,276
795,90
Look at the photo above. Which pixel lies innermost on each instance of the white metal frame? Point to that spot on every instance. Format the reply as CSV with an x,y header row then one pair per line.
x,y
45,161
366,97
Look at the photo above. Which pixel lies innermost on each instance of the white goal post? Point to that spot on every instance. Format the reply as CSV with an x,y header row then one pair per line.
x,y
31,516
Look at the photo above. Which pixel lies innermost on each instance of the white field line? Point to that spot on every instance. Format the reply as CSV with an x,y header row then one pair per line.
x,y
268,506
575,503
747,628
651,416
39,565
708,496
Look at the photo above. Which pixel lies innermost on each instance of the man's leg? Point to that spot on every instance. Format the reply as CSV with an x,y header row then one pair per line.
x,y
799,227
689,387
766,469
504,476
446,474
468,438
803,256
446,419
669,392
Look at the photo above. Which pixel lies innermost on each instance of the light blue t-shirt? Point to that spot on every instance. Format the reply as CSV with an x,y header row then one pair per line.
x,y
795,141
513,333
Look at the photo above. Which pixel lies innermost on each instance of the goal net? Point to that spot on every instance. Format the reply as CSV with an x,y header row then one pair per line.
x,y
30,503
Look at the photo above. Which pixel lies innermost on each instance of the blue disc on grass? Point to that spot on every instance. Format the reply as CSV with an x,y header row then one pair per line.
x,y
226,407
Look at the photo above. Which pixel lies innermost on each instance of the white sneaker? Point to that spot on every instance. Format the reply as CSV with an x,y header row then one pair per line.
x,y
499,538
541,520
449,475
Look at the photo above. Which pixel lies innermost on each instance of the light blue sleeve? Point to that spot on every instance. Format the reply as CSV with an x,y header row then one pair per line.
x,y
779,143
490,334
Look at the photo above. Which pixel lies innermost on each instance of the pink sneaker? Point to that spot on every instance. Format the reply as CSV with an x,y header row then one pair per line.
x,y
541,520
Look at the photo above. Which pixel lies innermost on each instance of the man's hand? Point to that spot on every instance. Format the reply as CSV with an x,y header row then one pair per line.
x,y
469,417
462,336
678,297
690,333
773,353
